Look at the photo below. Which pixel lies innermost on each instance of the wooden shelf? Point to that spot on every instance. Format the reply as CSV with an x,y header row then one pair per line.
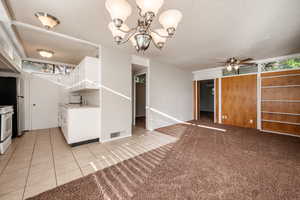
x,y
281,122
281,113
280,100
280,86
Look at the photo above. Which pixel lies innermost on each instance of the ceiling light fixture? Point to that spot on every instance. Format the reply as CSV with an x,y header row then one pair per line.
x,y
45,53
235,63
47,20
142,35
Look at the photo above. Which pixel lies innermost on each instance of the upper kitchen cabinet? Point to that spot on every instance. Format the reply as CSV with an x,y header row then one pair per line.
x,y
10,59
86,76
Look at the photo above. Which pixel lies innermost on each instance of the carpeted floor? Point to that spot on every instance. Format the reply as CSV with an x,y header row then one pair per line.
x,y
203,164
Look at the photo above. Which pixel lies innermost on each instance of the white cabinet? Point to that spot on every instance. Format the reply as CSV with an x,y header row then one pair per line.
x,y
8,53
86,75
80,123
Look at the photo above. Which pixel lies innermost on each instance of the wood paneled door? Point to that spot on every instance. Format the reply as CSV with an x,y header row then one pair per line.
x,y
239,101
196,100
281,102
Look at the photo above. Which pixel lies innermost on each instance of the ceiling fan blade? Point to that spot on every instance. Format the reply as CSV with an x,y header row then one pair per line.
x,y
247,64
246,60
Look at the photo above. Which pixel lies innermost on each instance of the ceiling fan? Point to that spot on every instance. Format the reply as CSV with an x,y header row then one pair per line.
x,y
235,63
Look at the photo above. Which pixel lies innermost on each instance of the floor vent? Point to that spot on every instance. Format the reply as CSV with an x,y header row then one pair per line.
x,y
114,135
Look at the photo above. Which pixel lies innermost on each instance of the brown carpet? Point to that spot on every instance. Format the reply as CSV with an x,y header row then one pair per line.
x,y
204,164
238,164
176,130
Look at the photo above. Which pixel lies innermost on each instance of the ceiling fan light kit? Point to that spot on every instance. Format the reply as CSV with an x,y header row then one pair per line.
x,y
235,63
142,35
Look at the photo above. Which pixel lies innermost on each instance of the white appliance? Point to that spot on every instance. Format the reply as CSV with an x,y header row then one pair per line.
x,y
6,113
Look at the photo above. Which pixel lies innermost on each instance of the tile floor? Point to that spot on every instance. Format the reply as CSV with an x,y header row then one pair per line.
x,y
41,160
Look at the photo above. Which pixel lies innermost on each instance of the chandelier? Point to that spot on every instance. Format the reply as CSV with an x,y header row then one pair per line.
x,y
142,34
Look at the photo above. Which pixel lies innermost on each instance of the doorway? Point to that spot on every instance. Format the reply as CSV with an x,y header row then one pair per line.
x,y
139,88
206,100
140,101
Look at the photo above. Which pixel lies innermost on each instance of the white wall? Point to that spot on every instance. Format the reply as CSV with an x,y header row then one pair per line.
x,y
115,98
91,97
170,95
207,74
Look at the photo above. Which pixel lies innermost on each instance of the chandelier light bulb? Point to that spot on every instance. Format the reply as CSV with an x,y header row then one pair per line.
x,y
152,6
133,41
170,19
119,10
116,32
159,37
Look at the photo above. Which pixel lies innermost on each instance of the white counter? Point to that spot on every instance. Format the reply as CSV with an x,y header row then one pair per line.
x,y
80,124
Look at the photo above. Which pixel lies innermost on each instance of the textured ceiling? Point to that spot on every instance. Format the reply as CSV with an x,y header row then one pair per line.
x,y
211,30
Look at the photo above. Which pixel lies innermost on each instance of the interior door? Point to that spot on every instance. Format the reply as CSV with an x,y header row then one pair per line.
x,y
44,99
239,101
196,99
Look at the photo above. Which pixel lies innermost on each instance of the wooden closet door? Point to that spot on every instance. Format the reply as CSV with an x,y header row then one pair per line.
x,y
239,99
196,99
281,102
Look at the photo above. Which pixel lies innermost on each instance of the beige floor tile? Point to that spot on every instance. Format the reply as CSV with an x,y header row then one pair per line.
x,y
64,168
16,167
8,176
64,160
42,160
82,161
41,167
42,177
11,184
67,177
15,195
48,155
37,189
62,154
93,167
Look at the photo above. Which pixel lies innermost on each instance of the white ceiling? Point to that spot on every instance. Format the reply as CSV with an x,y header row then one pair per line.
x,y
211,30
65,51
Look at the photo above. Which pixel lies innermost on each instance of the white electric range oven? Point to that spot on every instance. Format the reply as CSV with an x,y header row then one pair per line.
x,y
6,113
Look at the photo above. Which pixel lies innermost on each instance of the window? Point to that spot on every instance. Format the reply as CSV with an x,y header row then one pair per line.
x,y
40,67
241,70
292,63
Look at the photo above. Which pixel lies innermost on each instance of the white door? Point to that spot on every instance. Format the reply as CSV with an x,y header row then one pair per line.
x,y
44,98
